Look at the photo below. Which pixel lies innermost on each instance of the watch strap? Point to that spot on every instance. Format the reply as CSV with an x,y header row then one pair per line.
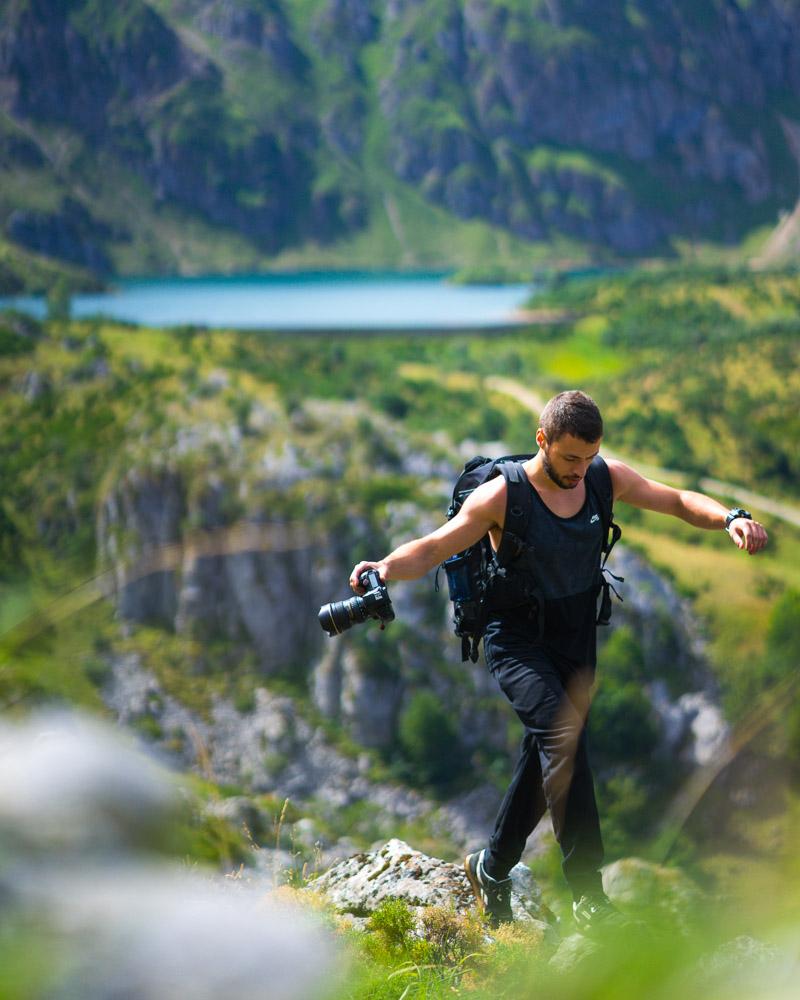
x,y
735,513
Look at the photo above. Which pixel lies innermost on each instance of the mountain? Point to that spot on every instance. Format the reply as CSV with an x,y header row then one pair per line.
x,y
188,135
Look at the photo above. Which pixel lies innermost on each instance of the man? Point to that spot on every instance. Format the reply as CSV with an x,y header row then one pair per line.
x,y
546,668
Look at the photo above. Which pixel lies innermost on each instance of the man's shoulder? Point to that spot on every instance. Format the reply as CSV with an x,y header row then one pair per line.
x,y
618,470
491,489
490,498
622,475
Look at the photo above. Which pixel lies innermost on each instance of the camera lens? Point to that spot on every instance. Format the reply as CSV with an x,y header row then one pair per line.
x,y
338,616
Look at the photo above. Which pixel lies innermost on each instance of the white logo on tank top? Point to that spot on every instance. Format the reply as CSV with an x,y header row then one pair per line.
x,y
593,518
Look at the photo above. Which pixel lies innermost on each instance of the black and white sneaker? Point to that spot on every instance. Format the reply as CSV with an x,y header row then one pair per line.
x,y
493,894
595,916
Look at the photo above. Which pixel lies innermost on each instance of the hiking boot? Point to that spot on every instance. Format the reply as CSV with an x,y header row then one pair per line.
x,y
493,894
595,915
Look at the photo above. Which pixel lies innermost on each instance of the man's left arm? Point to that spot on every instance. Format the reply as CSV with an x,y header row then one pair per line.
x,y
694,508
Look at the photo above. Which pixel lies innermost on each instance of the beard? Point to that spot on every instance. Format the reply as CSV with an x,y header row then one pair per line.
x,y
554,477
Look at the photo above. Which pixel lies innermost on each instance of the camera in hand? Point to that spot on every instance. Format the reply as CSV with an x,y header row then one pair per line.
x,y
338,616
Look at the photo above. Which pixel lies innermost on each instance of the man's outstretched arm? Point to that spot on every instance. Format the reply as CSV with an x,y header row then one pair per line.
x,y
481,512
694,508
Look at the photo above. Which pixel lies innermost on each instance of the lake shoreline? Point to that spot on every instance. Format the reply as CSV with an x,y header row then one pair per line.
x,y
302,303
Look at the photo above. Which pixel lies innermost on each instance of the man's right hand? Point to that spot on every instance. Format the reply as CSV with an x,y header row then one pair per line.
x,y
362,567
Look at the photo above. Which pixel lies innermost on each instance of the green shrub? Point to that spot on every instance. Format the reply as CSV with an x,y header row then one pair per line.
x,y
621,724
625,814
783,662
393,923
452,937
244,698
12,342
783,636
59,300
97,670
622,656
429,740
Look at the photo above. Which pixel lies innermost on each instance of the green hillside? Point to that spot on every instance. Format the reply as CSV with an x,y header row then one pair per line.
x,y
85,400
187,136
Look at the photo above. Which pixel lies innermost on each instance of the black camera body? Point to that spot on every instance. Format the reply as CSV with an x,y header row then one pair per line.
x,y
338,616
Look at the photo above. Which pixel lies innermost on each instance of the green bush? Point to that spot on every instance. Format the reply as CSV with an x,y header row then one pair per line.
x,y
783,661
783,636
621,724
18,334
393,922
622,656
429,741
452,937
624,811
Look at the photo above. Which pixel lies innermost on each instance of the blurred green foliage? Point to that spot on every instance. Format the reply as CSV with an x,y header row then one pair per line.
x,y
781,666
430,741
687,946
783,636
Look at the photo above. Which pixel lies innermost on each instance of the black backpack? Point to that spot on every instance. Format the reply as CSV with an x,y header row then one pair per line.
x,y
480,579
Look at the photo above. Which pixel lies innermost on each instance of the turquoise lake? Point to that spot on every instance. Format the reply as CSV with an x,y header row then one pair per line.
x,y
301,302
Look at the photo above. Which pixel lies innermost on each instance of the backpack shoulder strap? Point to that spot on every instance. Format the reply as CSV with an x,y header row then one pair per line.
x,y
598,478
519,507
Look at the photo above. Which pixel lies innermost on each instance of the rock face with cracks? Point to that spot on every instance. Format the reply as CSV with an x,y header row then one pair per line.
x,y
359,885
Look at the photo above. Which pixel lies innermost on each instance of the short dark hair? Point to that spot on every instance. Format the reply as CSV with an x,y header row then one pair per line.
x,y
572,412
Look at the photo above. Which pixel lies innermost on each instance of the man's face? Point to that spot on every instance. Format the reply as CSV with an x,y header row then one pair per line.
x,y
566,460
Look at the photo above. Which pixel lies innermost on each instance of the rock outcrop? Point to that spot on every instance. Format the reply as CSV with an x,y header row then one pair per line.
x,y
70,234
691,725
137,93
257,581
269,748
666,910
358,885
653,891
536,84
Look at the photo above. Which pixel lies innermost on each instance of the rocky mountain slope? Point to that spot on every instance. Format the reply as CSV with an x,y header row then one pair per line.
x,y
214,499
186,134
241,600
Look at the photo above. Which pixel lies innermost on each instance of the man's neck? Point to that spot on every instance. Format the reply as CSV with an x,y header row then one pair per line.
x,y
534,467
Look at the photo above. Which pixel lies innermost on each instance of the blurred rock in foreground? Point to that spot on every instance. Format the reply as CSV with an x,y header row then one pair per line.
x,y
80,814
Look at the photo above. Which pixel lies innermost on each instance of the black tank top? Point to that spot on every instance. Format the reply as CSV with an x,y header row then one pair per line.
x,y
564,559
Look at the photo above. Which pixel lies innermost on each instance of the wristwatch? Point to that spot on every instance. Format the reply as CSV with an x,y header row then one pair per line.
x,y
737,512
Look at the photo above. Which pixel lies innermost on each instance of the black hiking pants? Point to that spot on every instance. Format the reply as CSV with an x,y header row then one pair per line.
x,y
551,697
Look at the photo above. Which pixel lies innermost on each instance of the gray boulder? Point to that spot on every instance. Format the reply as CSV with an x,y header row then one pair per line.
x,y
746,966
361,883
574,954
653,892
156,931
80,814
69,783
